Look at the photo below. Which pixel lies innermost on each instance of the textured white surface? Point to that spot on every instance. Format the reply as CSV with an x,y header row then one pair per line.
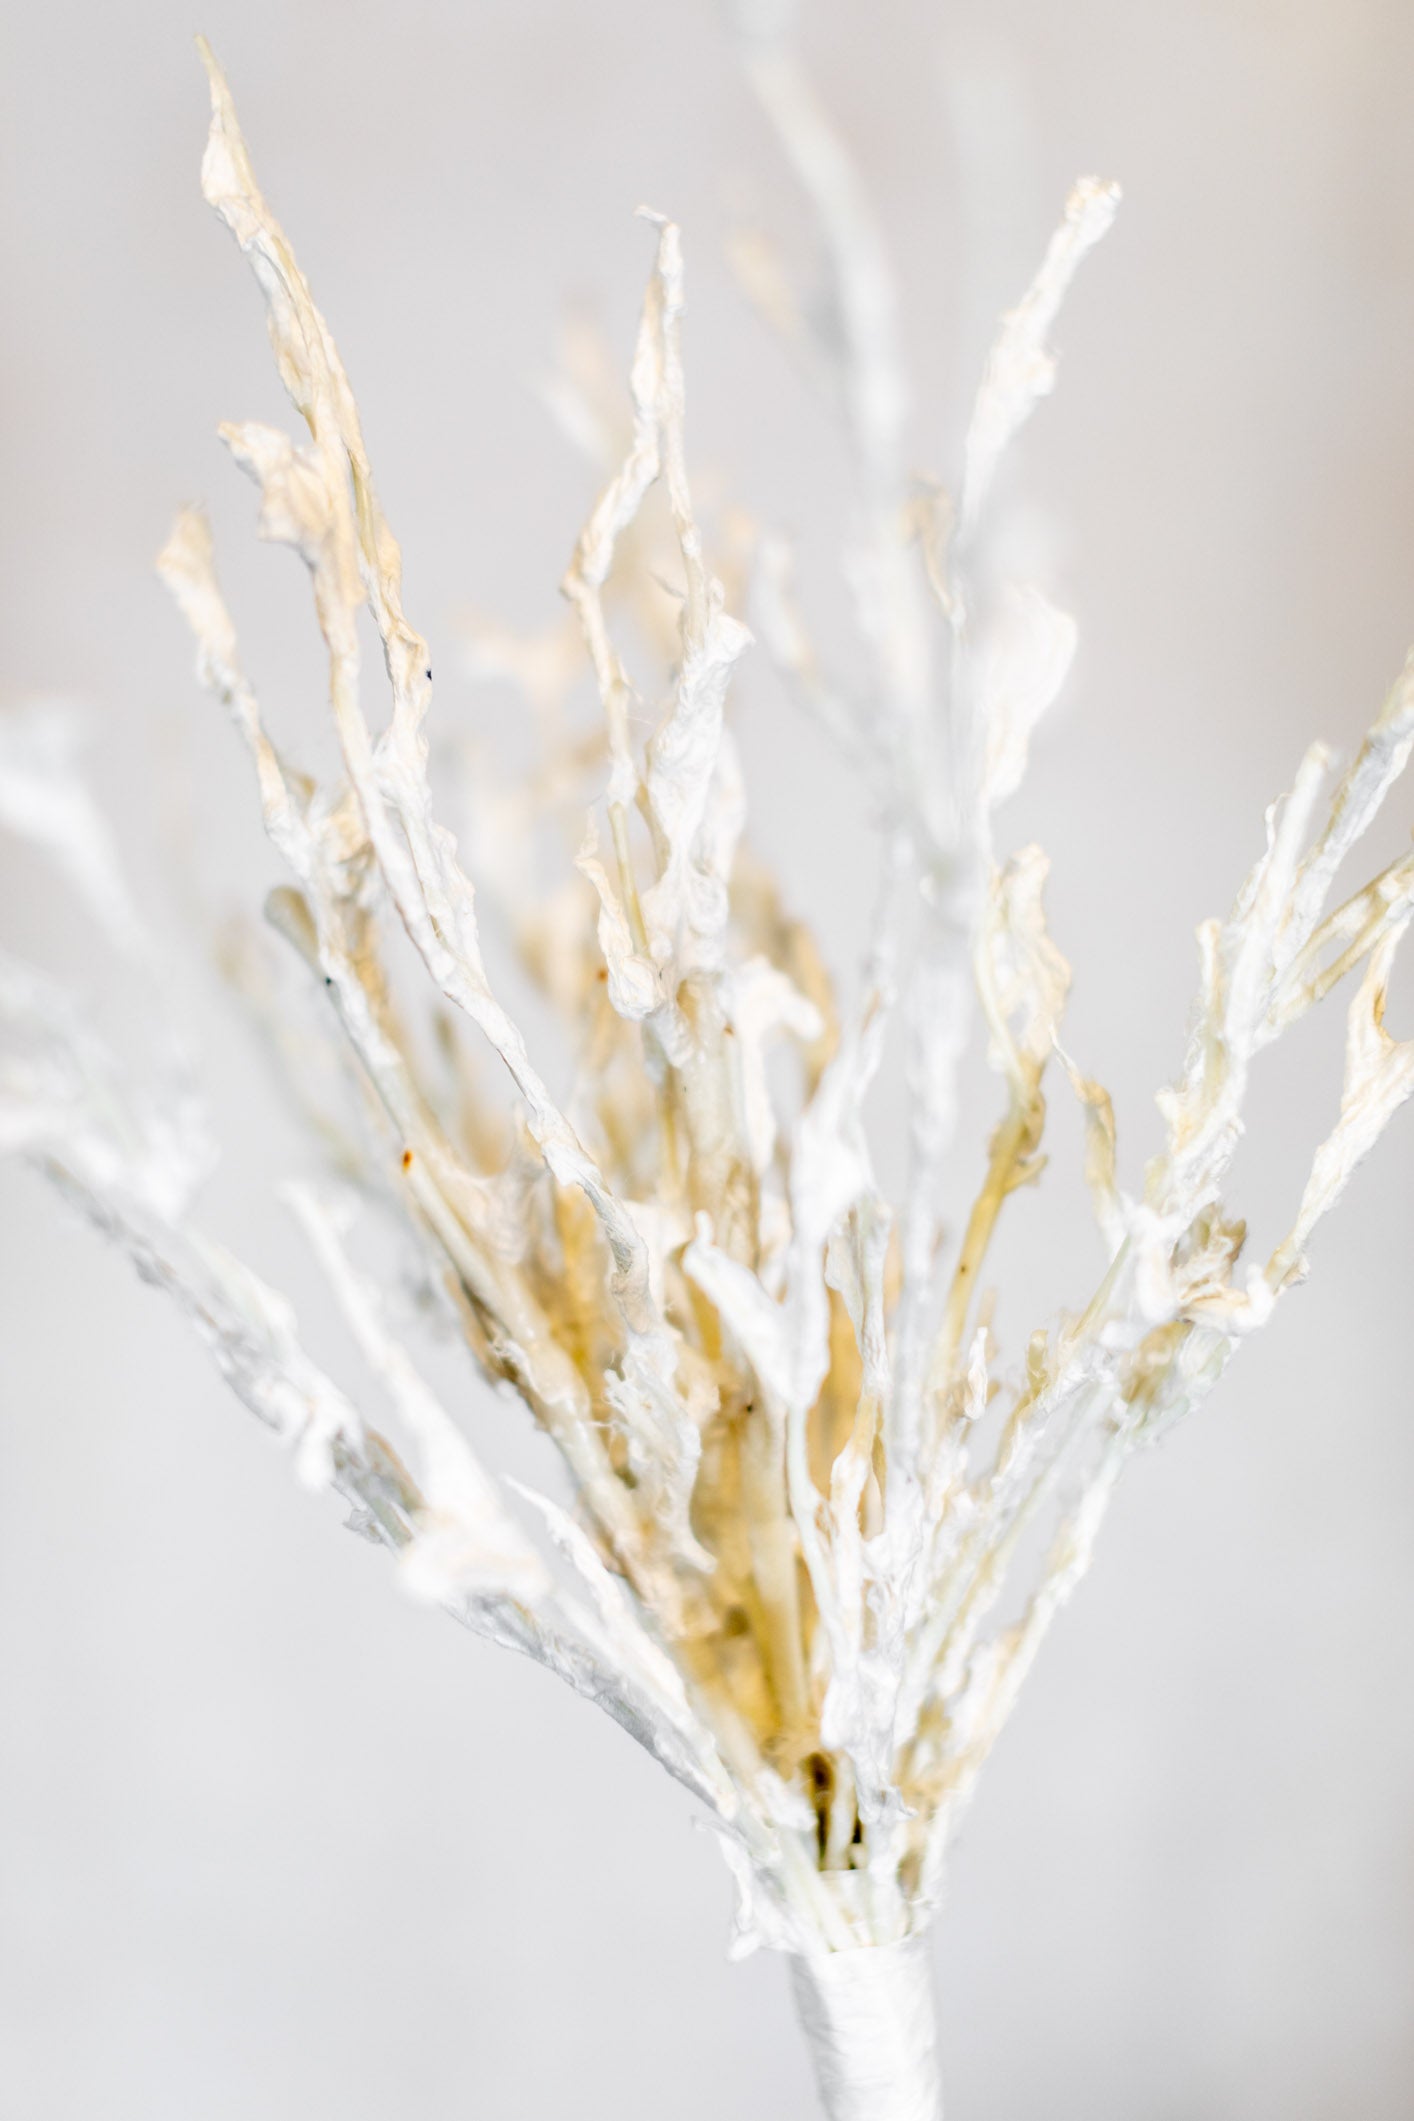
x,y
869,2020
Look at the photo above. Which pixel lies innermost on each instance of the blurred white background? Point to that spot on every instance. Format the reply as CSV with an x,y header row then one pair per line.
x,y
272,1840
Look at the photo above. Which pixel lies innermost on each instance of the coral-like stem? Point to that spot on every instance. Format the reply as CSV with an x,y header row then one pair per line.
x,y
803,1472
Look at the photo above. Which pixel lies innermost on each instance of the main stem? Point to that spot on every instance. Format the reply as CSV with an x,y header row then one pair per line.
x,y
869,2020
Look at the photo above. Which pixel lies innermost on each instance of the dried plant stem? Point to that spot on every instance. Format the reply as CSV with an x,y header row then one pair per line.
x,y
801,1472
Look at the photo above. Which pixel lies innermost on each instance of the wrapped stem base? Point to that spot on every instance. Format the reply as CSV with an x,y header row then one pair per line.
x,y
869,2019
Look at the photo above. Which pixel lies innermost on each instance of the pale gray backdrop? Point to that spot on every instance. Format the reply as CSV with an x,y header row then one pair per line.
x,y
272,1841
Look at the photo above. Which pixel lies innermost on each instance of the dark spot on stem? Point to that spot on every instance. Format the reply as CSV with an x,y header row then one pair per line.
x,y
822,1783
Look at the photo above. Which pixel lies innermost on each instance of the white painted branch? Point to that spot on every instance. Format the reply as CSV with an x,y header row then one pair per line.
x,y
792,1526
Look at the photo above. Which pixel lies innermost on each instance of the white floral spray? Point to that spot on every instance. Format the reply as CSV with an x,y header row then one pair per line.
x,y
802,1476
